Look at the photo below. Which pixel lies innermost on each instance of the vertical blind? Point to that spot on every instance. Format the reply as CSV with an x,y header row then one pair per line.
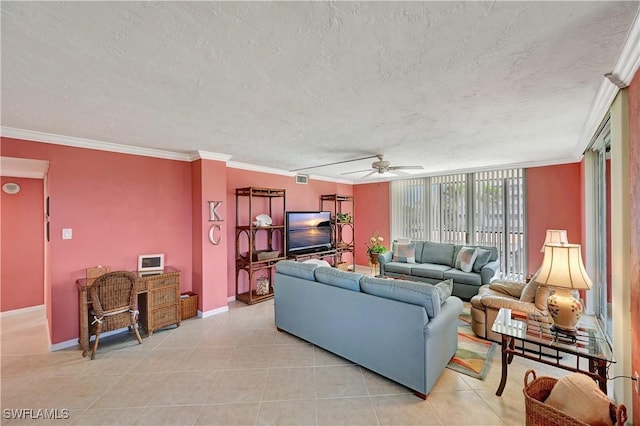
x,y
485,208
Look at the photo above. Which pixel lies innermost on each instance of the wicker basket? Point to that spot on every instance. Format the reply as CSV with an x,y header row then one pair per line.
x,y
538,413
266,255
188,305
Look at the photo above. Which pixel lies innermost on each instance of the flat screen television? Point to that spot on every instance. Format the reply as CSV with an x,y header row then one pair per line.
x,y
308,232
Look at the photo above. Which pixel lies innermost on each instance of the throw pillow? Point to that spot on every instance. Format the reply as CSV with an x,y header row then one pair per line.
x,y
319,262
542,294
529,292
482,259
403,252
444,289
578,396
465,259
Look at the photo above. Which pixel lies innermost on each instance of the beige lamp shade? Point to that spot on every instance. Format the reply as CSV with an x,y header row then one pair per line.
x,y
555,236
562,267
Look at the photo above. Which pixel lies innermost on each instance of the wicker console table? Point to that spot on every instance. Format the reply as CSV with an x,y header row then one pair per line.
x,y
158,303
588,350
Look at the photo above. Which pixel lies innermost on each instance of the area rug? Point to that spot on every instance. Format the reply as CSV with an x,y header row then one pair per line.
x,y
474,354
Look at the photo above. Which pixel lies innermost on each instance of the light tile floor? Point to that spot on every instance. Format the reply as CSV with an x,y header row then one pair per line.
x,y
234,368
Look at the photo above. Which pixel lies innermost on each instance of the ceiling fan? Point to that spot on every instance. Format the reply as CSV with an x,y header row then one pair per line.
x,y
380,166
383,166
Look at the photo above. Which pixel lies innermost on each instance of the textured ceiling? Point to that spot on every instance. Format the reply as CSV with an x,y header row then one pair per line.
x,y
445,85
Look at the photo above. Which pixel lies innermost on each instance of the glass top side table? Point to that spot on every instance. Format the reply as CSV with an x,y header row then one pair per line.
x,y
529,338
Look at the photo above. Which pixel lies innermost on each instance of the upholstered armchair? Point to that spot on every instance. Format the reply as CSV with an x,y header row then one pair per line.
x,y
530,298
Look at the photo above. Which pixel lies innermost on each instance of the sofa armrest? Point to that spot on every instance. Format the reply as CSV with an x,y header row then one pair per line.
x,y
488,271
497,302
385,257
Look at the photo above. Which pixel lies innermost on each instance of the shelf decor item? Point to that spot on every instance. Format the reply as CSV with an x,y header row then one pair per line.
x,y
151,262
344,217
262,286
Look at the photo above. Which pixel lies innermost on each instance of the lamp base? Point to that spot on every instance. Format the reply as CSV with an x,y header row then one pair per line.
x,y
564,335
565,309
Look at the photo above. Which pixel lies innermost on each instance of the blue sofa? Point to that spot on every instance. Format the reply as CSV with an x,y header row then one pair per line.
x,y
405,331
434,262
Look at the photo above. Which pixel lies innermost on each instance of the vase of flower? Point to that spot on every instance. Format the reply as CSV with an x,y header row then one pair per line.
x,y
374,248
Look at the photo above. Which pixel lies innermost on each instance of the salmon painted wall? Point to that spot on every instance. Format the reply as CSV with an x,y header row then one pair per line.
x,y
298,197
634,172
209,260
22,245
118,206
554,201
372,215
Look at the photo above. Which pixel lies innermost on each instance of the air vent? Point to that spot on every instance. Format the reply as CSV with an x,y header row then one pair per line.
x,y
302,179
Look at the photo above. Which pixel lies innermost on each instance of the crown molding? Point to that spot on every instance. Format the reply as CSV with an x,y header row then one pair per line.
x,y
262,169
51,138
205,155
23,167
625,69
629,59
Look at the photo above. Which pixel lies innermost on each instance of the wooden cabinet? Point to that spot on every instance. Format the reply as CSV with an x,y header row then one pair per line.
x,y
259,246
162,307
158,302
343,230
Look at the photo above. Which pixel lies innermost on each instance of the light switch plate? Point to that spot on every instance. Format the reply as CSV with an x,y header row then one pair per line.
x,y
67,233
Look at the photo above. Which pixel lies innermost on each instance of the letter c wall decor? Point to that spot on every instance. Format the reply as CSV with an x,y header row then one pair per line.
x,y
215,216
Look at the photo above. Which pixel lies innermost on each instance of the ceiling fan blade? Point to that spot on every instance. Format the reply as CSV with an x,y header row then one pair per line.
x,y
406,168
397,172
357,171
333,164
369,174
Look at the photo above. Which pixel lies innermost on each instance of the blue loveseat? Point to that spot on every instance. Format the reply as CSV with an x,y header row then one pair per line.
x,y
433,262
405,331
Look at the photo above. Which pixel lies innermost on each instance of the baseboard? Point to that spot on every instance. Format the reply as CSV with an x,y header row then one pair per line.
x,y
74,342
21,311
213,312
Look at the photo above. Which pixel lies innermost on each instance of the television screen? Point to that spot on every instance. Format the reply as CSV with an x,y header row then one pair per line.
x,y
308,232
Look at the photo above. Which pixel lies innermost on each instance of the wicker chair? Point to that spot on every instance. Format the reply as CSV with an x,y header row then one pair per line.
x,y
113,297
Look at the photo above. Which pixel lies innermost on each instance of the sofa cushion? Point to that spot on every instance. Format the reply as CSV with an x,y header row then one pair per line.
x,y
429,270
404,252
420,294
338,278
296,269
438,253
466,257
482,258
398,267
463,277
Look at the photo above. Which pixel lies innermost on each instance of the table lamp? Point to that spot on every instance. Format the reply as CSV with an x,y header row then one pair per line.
x,y
555,236
563,269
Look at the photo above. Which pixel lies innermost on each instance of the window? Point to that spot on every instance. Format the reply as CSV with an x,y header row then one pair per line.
x,y
599,156
485,208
